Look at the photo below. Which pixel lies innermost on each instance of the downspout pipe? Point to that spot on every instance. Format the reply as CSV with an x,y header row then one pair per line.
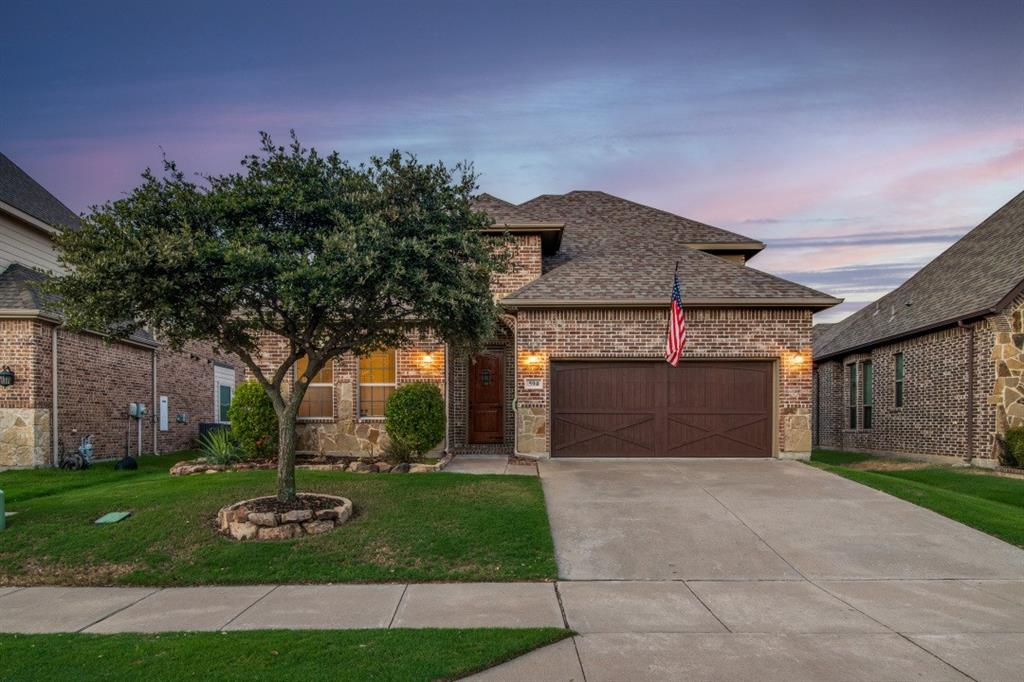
x,y
54,430
970,390
155,412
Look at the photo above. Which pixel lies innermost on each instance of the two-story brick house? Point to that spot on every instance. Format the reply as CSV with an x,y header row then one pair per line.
x,y
936,367
578,369
69,385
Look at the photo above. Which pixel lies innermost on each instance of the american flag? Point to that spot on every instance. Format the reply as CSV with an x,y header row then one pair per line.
x,y
676,341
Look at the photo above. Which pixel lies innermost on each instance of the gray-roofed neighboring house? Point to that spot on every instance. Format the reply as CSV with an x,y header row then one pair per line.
x,y
19,191
934,367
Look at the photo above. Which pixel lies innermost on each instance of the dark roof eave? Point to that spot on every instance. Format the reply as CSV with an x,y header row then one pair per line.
x,y
56,319
926,329
806,303
917,331
550,233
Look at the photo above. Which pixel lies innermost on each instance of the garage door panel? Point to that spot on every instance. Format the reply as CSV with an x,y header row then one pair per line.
x,y
644,409
603,434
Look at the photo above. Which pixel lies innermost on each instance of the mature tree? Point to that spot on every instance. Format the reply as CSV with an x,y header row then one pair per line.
x,y
329,257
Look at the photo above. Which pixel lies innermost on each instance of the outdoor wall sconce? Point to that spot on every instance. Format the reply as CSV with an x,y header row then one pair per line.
x,y
6,376
796,359
427,360
532,359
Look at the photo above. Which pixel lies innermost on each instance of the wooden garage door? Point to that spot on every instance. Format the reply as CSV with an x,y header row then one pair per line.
x,y
651,409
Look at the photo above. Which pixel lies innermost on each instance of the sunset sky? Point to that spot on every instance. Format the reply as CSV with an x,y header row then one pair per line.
x,y
857,139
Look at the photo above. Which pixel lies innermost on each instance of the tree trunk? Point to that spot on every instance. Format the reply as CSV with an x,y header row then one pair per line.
x,y
286,456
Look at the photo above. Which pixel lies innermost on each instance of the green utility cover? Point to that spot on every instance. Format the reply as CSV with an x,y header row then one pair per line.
x,y
113,517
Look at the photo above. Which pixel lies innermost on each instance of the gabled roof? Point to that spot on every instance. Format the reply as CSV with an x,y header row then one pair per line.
x,y
19,190
21,292
978,275
617,252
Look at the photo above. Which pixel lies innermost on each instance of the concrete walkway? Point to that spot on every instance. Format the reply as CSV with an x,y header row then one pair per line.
x,y
768,570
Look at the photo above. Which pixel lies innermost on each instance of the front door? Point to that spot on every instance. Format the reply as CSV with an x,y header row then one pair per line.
x,y
486,398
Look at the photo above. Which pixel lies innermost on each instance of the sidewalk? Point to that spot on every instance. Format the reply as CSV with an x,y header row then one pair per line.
x,y
651,630
258,607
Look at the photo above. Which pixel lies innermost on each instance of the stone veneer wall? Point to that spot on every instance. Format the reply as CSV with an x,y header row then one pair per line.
x,y
25,406
344,432
933,418
1008,364
768,333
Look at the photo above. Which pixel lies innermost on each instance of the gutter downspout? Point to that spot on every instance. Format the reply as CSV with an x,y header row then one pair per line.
x,y
447,401
155,414
53,390
970,391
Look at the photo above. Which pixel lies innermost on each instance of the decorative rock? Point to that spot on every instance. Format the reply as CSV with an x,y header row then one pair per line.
x,y
267,519
381,467
243,531
285,532
421,468
238,522
344,512
402,468
360,467
317,527
296,516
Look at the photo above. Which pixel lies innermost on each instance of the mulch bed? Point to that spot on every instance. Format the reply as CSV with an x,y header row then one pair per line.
x,y
311,502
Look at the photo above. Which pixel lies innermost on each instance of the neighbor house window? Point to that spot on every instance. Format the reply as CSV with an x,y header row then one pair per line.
x,y
318,403
223,390
899,380
853,396
376,382
869,390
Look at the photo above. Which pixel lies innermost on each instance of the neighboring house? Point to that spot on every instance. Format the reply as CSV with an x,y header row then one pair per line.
x,y
934,367
577,368
88,390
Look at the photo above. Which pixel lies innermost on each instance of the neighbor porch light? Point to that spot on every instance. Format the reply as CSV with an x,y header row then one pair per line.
x,y
6,376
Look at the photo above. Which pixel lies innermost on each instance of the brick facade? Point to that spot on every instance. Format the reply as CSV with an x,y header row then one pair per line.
x,y
735,333
96,380
524,253
934,417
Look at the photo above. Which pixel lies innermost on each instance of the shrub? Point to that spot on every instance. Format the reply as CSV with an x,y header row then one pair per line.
x,y
398,452
253,421
414,416
1015,446
218,447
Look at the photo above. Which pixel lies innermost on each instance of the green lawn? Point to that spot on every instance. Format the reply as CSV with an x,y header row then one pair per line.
x,y
411,527
267,654
992,504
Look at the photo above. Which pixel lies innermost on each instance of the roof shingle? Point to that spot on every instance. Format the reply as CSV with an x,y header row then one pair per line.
x,y
616,250
972,277
18,189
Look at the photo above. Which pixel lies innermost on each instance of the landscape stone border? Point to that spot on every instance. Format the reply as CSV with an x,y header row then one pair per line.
x,y
355,465
238,522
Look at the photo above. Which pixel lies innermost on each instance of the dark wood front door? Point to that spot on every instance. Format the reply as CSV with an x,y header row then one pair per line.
x,y
651,409
486,398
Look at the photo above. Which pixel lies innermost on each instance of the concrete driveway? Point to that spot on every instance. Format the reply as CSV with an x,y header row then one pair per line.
x,y
763,570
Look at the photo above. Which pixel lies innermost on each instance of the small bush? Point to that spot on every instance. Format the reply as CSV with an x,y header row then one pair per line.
x,y
218,448
1015,446
398,452
414,416
253,421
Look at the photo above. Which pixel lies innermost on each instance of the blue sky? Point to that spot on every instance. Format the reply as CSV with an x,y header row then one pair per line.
x,y
858,139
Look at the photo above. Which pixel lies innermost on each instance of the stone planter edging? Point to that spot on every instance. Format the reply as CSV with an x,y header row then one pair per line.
x,y
236,521
358,466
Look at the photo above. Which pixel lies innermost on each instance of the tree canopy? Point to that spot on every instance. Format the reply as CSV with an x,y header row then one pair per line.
x,y
330,257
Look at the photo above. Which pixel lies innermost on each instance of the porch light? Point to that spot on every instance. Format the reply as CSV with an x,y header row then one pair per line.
x,y
796,359
427,359
6,376
532,359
